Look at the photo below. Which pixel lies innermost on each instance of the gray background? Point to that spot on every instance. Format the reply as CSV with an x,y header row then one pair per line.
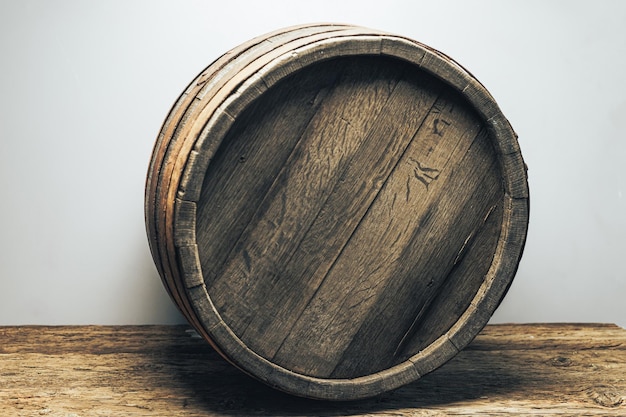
x,y
85,86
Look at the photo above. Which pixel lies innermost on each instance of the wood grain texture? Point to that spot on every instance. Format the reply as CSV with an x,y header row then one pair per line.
x,y
193,102
508,370
336,210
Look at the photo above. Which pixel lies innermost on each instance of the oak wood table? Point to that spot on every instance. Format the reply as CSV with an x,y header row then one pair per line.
x,y
526,369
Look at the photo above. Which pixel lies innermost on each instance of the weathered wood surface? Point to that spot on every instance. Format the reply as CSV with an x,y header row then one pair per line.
x,y
539,369
336,209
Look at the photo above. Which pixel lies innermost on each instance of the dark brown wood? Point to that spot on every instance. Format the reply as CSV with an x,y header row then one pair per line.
x,y
169,141
508,370
337,210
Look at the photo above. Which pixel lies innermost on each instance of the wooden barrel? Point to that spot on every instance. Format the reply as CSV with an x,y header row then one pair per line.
x,y
336,210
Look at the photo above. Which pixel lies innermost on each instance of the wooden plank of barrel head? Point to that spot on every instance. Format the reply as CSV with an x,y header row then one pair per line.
x,y
337,210
191,101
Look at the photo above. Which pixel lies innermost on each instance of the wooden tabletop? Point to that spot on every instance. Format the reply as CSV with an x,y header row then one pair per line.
x,y
526,369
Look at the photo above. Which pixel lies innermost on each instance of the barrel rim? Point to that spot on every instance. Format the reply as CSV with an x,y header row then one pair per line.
x,y
504,264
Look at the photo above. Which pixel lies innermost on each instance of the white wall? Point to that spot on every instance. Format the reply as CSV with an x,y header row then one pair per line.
x,y
85,85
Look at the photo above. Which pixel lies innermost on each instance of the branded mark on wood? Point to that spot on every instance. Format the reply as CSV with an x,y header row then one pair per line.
x,y
439,126
423,173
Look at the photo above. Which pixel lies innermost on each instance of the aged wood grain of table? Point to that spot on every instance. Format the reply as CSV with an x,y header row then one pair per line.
x,y
522,369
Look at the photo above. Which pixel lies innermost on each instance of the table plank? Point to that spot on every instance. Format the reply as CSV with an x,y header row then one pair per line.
x,y
521,369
